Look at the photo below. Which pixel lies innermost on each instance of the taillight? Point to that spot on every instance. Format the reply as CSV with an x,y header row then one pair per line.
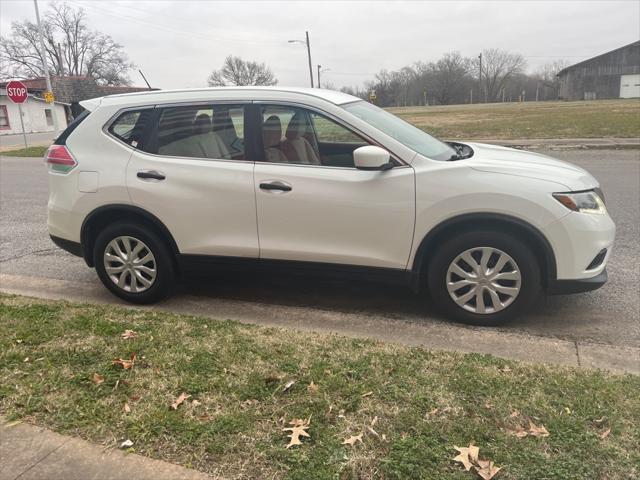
x,y
59,159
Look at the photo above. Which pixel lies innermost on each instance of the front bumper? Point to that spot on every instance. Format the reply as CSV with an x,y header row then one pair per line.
x,y
567,287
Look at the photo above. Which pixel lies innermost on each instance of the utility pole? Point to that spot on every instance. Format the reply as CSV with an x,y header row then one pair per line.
x,y
480,80
43,53
319,84
309,55
306,42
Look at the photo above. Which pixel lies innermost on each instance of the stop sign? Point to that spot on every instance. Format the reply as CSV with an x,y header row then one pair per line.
x,y
16,91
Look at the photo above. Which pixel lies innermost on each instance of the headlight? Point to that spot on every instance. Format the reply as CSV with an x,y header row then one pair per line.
x,y
584,202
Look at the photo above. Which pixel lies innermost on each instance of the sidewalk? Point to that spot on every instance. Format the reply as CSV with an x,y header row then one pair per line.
x,y
33,453
435,336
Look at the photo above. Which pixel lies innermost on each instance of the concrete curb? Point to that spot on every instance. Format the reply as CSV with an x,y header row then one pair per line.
x,y
34,453
437,336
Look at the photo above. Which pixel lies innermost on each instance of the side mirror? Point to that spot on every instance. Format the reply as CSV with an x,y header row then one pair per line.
x,y
371,157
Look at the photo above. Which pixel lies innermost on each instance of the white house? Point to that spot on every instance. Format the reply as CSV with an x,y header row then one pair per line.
x,y
36,114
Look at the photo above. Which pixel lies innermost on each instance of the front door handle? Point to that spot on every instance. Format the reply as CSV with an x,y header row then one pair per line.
x,y
275,185
151,175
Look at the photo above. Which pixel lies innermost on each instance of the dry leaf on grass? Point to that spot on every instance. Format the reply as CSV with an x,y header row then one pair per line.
x,y
533,431
468,457
298,429
374,420
126,408
126,444
126,364
195,403
129,334
605,434
288,385
312,387
352,440
372,431
97,379
537,431
486,469
183,396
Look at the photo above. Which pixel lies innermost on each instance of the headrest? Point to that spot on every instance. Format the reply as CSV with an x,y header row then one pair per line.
x,y
297,127
272,131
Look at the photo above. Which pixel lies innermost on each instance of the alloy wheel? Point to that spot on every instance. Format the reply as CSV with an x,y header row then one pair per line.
x,y
130,264
483,280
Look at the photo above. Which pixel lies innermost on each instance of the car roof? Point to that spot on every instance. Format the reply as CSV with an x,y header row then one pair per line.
x,y
337,98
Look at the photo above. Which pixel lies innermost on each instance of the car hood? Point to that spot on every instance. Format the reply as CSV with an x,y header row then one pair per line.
x,y
509,161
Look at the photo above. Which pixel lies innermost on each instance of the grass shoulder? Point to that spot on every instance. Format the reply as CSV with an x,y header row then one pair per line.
x,y
26,152
410,405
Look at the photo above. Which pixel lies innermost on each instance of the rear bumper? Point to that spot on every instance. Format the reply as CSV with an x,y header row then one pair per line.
x,y
566,287
70,246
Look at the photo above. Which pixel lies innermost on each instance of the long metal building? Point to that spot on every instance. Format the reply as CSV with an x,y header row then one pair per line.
x,y
615,74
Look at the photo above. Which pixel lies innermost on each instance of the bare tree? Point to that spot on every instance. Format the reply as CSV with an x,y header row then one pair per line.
x,y
498,67
548,77
237,71
447,77
71,48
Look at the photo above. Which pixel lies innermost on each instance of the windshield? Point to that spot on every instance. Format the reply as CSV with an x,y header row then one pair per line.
x,y
404,132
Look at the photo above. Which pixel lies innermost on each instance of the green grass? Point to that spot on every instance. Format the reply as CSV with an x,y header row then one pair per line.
x,y
530,120
26,152
49,352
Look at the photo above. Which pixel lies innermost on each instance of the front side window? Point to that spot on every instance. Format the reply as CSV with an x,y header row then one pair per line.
x,y
129,127
403,132
199,131
300,136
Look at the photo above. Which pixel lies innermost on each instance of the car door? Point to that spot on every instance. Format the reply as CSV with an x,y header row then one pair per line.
x,y
191,173
313,205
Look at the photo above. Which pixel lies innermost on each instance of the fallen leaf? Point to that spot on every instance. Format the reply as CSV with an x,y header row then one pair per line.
x,y
568,410
126,408
126,444
367,394
312,387
537,431
129,334
372,431
467,455
432,412
181,398
97,379
486,469
519,432
374,421
352,440
514,414
384,437
288,385
298,429
26,359
605,434
195,403
126,364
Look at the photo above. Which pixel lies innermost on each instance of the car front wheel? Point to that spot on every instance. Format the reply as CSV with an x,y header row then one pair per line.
x,y
134,263
484,278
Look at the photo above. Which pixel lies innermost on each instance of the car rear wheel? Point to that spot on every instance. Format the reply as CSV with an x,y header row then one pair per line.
x,y
484,278
134,263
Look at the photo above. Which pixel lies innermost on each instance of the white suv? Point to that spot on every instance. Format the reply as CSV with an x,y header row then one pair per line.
x,y
150,186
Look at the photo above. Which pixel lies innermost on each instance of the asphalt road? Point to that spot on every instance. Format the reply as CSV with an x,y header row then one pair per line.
x,y
610,315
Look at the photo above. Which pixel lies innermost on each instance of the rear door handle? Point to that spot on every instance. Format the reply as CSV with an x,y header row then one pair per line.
x,y
275,185
151,175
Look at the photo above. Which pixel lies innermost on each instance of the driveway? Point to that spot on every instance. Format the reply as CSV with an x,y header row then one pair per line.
x,y
607,316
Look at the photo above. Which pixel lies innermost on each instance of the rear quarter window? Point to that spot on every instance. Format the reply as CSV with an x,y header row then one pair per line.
x,y
129,127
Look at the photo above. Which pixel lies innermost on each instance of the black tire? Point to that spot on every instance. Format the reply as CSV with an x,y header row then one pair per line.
x,y
165,270
512,246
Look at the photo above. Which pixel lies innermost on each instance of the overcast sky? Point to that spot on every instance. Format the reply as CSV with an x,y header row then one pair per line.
x,y
178,43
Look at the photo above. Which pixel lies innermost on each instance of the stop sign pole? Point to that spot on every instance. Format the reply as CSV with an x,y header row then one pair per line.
x,y
17,93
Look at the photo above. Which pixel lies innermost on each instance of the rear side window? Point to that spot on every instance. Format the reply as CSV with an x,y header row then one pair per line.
x,y
130,126
205,131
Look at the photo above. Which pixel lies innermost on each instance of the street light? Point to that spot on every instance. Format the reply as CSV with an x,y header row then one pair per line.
x,y
306,42
320,71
